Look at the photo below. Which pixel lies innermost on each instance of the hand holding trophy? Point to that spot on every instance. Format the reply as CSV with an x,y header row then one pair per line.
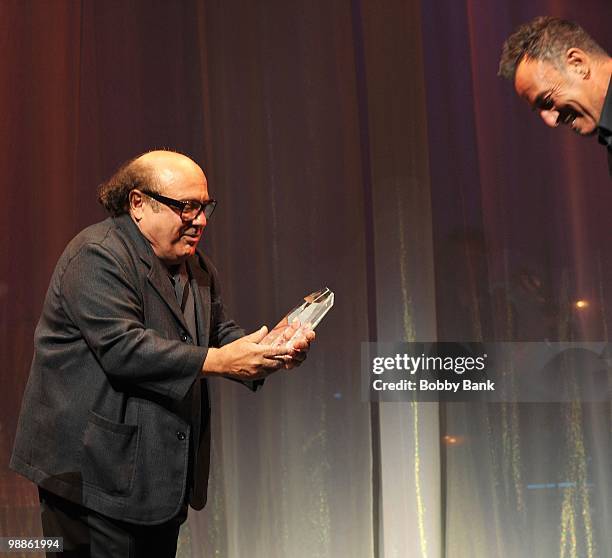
x,y
302,319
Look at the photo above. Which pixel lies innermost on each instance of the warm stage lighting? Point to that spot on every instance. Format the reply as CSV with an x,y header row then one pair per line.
x,y
581,304
450,440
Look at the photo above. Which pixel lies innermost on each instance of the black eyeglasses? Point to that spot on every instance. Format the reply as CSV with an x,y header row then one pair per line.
x,y
190,209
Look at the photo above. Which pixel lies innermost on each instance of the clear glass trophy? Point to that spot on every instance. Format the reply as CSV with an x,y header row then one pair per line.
x,y
309,313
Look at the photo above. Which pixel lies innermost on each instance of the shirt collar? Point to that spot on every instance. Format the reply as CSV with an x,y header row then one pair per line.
x,y
604,128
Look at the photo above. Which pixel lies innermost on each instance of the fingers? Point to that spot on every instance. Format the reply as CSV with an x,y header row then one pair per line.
x,y
302,341
270,352
290,330
256,336
298,335
299,357
295,360
255,357
272,364
299,344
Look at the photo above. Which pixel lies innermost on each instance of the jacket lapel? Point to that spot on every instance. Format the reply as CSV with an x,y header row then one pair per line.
x,y
159,279
200,286
157,276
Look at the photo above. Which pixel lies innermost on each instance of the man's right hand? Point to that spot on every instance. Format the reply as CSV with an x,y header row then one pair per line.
x,y
245,358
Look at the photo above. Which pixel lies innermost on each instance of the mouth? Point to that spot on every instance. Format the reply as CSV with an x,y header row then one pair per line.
x,y
568,117
192,234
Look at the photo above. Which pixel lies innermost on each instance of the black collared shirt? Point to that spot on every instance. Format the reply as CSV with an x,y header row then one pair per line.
x,y
189,408
604,128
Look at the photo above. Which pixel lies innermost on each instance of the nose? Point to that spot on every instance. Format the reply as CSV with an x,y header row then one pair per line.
x,y
550,117
200,219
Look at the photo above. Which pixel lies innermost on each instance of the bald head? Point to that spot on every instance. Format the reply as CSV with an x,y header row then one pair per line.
x,y
162,156
167,166
157,171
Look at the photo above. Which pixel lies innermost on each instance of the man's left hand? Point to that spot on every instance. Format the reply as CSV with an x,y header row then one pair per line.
x,y
298,337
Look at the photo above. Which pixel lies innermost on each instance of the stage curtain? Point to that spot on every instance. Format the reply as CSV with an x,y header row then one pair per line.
x,y
317,126
265,99
521,228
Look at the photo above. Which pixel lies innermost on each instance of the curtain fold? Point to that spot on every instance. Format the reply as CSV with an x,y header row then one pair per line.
x,y
519,233
292,464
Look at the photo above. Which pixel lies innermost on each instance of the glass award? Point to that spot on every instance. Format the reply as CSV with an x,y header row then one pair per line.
x,y
309,313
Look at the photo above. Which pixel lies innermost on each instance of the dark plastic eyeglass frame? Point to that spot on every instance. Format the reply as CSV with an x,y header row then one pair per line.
x,y
207,207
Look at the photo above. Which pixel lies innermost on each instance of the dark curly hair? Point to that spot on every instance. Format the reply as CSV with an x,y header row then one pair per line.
x,y
115,192
544,38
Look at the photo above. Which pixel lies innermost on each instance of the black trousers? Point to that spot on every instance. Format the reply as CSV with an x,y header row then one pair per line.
x,y
88,534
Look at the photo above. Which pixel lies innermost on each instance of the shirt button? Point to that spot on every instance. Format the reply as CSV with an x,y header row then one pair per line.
x,y
181,435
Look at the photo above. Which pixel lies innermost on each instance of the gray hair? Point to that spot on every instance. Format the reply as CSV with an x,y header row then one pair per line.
x,y
114,194
544,38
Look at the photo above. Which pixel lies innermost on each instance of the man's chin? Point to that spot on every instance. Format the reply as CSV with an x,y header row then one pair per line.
x,y
190,250
186,251
588,129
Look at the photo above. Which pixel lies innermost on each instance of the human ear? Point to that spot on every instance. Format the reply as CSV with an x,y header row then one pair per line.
x,y
578,62
136,204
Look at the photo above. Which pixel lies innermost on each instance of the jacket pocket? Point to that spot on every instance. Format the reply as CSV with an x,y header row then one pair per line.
x,y
109,454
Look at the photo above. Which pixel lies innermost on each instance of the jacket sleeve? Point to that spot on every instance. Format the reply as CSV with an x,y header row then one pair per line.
x,y
224,330
107,308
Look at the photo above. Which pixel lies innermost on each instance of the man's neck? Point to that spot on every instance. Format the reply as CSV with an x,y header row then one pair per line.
x,y
174,269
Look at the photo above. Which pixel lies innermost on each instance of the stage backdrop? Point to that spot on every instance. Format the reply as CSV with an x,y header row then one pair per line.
x,y
367,146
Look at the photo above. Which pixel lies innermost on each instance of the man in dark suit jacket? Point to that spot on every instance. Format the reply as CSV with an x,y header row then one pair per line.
x,y
114,422
563,74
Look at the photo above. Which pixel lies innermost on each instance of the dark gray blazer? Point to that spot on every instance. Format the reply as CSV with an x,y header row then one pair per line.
x,y
112,361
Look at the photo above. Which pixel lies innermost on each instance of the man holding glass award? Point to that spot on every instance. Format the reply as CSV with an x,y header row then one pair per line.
x,y
114,425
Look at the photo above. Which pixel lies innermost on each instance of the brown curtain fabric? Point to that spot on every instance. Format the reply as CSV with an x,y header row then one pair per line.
x,y
291,466
265,97
84,86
